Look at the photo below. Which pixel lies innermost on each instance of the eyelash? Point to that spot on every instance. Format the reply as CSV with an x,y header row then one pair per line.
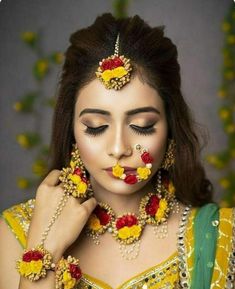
x,y
147,130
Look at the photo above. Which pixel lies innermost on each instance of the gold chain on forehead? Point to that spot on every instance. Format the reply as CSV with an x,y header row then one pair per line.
x,y
114,71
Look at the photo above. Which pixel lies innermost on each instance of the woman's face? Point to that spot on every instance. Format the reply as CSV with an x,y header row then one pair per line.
x,y
107,126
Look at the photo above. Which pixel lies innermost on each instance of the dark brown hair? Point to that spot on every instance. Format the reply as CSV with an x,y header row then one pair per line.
x,y
154,57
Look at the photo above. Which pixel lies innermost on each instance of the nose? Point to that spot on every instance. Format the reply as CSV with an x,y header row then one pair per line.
x,y
119,145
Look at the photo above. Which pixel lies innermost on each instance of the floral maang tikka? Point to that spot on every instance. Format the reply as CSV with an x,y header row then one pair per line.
x,y
114,71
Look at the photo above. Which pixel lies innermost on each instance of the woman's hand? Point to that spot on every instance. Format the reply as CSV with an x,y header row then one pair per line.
x,y
67,226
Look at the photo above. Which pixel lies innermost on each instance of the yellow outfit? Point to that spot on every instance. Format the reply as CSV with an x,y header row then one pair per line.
x,y
165,275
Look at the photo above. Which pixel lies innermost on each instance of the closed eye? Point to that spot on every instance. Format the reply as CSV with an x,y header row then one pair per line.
x,y
146,130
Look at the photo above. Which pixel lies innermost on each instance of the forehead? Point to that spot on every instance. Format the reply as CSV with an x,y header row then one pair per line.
x,y
132,95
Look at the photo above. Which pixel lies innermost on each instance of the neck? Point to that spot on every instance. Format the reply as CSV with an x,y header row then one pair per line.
x,y
121,203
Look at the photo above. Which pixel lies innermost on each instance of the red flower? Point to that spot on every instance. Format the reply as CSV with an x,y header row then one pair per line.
x,y
130,220
27,257
102,215
36,255
131,179
77,172
120,223
85,180
111,63
146,158
75,271
152,206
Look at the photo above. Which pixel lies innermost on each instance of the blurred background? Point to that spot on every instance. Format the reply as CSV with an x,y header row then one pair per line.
x,y
34,36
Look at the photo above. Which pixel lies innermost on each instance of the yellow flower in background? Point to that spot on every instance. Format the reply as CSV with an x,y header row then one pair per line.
x,y
229,75
226,26
29,37
124,233
224,113
231,39
39,168
135,231
68,281
230,128
222,93
42,66
225,183
23,141
58,57
23,183
94,223
18,106
76,179
143,172
36,266
82,187
117,170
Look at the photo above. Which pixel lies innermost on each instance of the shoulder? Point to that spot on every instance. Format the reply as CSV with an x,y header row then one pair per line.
x,y
18,219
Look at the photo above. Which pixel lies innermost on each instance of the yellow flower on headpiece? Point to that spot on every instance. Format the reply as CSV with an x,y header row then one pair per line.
x,y
68,281
117,72
135,231
94,223
82,187
117,170
74,178
143,172
124,233
36,266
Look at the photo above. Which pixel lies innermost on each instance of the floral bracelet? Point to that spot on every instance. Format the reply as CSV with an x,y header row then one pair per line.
x,y
68,273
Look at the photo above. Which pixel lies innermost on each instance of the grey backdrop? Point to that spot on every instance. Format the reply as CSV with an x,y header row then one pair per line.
x,y
194,26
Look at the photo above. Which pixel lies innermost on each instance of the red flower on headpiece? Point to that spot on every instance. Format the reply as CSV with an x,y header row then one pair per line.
x,y
111,63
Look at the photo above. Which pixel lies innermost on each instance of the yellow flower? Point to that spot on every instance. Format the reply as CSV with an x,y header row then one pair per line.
x,y
42,66
73,164
119,72
82,187
23,141
225,183
163,204
143,172
226,26
29,36
159,214
23,183
107,75
94,223
124,233
58,56
36,266
222,93
24,268
135,230
171,188
74,178
18,106
118,170
224,113
231,39
68,281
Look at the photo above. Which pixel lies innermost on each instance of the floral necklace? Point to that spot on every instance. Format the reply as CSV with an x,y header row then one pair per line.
x,y
154,209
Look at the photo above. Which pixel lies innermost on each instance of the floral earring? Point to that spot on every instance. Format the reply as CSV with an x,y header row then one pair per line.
x,y
74,179
169,158
142,172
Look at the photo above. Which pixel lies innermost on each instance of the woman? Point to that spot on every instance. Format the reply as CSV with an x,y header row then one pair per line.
x,y
132,207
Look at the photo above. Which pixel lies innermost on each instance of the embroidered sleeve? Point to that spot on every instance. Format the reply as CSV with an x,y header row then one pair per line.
x,y
222,274
18,219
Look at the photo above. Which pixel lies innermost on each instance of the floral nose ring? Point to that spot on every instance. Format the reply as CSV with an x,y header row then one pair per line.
x,y
142,173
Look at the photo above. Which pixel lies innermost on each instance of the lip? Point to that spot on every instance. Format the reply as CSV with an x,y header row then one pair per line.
x,y
126,169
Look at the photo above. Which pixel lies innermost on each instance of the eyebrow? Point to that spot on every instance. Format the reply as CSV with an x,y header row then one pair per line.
x,y
128,113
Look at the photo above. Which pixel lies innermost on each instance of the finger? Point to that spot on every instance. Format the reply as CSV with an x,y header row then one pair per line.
x,y
89,205
52,178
